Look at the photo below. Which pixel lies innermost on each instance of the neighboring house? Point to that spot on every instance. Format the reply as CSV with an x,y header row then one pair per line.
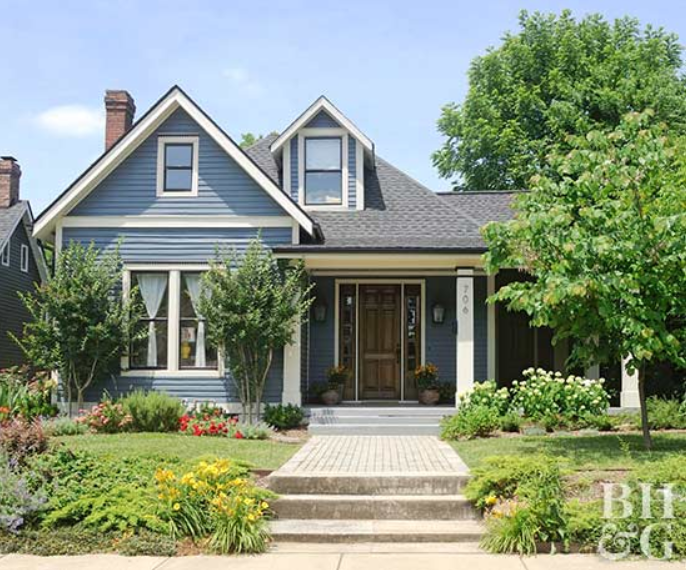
x,y
21,261
397,268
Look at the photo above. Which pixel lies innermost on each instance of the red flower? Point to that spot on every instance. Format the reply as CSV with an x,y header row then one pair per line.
x,y
238,435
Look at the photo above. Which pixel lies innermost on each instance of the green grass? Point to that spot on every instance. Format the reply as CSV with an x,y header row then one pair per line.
x,y
261,454
602,452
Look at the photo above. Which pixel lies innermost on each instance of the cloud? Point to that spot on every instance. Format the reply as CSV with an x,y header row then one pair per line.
x,y
71,121
240,77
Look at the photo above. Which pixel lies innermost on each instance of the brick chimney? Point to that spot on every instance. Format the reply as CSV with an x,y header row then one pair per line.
x,y
9,181
120,110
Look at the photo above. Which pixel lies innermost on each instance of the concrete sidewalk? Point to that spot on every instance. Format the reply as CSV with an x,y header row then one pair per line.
x,y
334,557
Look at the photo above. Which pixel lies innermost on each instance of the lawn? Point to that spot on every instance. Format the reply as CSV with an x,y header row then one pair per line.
x,y
262,454
602,452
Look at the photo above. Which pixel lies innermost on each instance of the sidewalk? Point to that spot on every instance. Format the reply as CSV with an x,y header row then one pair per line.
x,y
356,557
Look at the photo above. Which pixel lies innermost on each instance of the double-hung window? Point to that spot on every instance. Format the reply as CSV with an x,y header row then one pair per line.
x,y
152,290
177,166
323,171
194,351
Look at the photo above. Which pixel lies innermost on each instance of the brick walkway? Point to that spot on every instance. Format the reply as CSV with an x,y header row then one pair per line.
x,y
375,454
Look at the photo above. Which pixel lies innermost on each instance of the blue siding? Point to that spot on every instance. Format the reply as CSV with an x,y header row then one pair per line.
x,y
480,330
224,188
352,171
294,168
321,348
441,342
174,244
322,120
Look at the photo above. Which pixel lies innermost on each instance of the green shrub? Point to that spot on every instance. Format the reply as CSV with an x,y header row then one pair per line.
x,y
25,394
152,411
282,416
20,439
106,417
63,425
470,422
666,413
585,523
511,422
487,395
251,431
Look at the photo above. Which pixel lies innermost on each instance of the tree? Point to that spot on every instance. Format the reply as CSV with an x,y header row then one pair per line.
x,y
604,237
251,306
249,139
557,76
80,325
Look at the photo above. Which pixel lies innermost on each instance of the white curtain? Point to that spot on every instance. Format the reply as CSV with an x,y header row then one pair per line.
x,y
152,287
194,285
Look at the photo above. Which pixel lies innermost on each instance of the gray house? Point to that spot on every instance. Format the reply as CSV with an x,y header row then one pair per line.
x,y
21,261
397,268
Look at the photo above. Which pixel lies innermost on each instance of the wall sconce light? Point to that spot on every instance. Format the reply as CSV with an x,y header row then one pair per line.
x,y
438,313
320,312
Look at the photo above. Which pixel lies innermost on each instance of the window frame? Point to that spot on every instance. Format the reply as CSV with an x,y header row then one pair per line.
x,y
24,258
177,140
147,319
195,320
339,170
5,253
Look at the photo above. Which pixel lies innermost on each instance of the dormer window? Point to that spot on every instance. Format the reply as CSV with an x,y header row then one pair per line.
x,y
177,166
323,171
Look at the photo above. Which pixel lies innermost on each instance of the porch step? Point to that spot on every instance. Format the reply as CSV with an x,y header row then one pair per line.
x,y
374,420
375,429
406,484
347,531
370,507
380,411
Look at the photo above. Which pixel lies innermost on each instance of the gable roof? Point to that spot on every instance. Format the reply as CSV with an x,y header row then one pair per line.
x,y
322,104
10,218
400,215
174,99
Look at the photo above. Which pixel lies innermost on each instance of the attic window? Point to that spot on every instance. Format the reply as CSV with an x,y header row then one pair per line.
x,y
25,258
323,171
5,255
177,166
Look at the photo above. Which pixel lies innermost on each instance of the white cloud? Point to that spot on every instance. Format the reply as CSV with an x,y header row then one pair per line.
x,y
240,77
71,121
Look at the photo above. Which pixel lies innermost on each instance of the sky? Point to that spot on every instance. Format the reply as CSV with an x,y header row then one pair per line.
x,y
253,66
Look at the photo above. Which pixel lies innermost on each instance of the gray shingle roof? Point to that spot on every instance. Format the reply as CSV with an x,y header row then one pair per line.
x,y
482,206
9,218
400,214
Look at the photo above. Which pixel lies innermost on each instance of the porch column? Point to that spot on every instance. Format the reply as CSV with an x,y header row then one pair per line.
x,y
593,372
291,369
464,307
628,397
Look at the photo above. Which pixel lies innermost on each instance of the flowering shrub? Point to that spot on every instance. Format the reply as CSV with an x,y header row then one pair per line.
x,y
207,424
546,396
21,439
25,394
479,412
426,376
218,500
106,417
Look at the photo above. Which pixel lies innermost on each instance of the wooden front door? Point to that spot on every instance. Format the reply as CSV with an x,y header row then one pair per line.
x,y
380,341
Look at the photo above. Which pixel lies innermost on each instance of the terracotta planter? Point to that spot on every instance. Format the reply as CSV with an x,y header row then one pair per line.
x,y
429,397
331,398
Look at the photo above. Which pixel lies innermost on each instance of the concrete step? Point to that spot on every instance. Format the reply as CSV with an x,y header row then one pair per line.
x,y
375,507
346,531
375,420
374,429
363,411
367,484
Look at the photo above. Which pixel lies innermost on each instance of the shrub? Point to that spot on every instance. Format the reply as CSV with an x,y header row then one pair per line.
x,y
152,411
544,396
209,425
20,439
19,504
666,413
511,422
478,413
107,417
282,416
252,431
217,500
26,395
63,425
585,523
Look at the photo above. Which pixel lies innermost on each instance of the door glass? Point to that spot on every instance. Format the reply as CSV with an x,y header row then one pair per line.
x,y
413,335
348,343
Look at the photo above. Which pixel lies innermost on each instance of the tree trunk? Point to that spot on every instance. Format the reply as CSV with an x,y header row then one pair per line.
x,y
263,382
647,439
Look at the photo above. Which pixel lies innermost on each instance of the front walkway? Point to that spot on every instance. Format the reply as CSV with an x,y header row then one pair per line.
x,y
390,455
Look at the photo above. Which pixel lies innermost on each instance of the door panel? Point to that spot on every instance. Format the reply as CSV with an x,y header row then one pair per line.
x,y
380,341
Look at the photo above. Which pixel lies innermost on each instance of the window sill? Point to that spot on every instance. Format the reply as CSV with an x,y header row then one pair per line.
x,y
171,373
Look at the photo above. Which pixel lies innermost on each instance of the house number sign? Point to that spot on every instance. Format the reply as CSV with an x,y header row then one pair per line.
x,y
465,300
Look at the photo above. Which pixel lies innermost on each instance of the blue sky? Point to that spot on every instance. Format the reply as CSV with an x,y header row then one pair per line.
x,y
252,65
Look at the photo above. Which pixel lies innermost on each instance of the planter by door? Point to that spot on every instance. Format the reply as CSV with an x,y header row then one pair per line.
x,y
429,397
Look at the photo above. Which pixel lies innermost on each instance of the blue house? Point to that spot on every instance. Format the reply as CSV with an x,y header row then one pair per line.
x,y
397,269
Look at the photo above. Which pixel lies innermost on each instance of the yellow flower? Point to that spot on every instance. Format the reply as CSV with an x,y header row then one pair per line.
x,y
248,501
264,505
491,500
176,506
251,517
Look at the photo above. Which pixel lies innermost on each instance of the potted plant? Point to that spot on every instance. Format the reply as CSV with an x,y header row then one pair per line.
x,y
426,378
331,393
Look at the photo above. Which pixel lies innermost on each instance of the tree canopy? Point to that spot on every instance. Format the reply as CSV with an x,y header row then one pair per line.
x,y
557,76
603,233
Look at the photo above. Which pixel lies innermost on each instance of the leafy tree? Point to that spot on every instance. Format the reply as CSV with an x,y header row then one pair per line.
x,y
604,236
557,76
250,305
80,325
249,139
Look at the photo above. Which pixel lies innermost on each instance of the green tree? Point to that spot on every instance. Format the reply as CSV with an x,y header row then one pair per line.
x,y
251,305
604,236
249,139
80,325
557,76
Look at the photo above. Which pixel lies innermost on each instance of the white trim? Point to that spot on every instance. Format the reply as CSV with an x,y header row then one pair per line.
x,y
5,253
125,292
291,393
173,320
179,373
24,258
286,170
383,273
140,132
321,104
303,135
490,328
335,261
58,239
359,175
162,141
186,221
295,235
190,267
629,397
464,307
